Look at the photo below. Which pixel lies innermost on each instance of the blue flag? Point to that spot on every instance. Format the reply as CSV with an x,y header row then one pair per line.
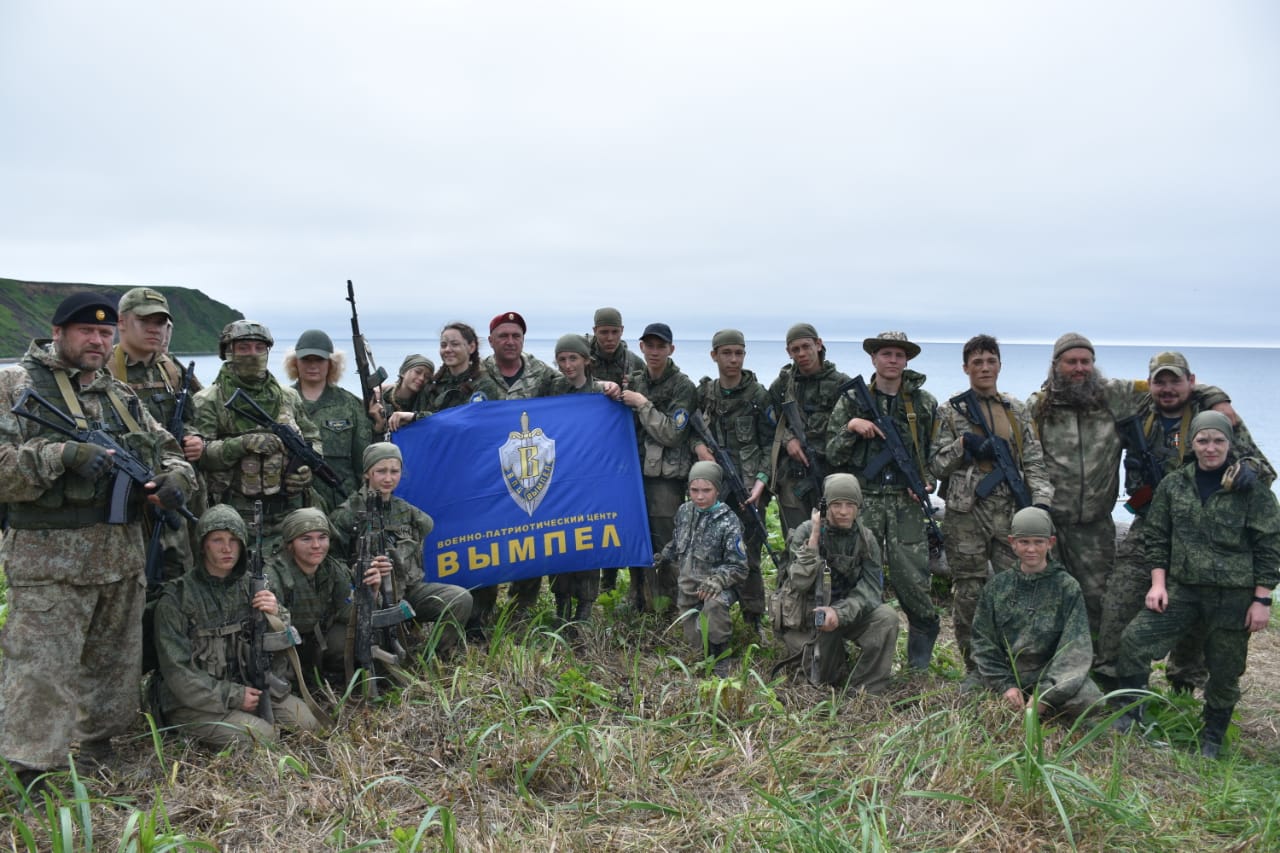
x,y
524,488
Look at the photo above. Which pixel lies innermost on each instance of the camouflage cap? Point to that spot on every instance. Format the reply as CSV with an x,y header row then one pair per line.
x,y
302,521
1173,362
890,339
607,317
709,471
728,337
842,487
378,451
1213,420
143,302
573,343
1031,521
416,360
802,330
1071,340
222,517
85,307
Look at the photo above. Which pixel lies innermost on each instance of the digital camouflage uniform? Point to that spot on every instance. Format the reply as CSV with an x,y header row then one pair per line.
x,y
888,511
739,419
237,478
202,640
447,390
1127,588
318,606
1082,455
406,528
978,528
815,395
616,367
1214,555
1031,631
663,438
345,431
707,553
73,640
856,593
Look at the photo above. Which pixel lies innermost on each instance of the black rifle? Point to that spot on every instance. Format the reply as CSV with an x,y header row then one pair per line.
x,y
895,452
300,452
371,376
162,518
1139,454
176,425
130,471
259,664
375,625
1005,470
795,421
737,490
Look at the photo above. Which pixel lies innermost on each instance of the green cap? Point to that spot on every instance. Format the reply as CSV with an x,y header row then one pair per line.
x,y
1213,420
143,302
607,317
379,450
801,330
1031,521
726,338
708,471
1173,362
302,521
842,487
314,342
573,343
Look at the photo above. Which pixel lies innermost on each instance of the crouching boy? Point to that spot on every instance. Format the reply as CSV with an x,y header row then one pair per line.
x,y
1031,629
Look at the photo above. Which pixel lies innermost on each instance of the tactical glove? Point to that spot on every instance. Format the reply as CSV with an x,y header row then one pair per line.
x,y
85,460
264,443
1240,476
169,490
297,482
978,446
711,586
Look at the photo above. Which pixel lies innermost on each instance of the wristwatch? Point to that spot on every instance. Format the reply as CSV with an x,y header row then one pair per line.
x,y
1265,602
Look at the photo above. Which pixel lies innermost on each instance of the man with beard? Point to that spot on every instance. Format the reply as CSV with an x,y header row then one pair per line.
x,y
243,462
1174,400
73,639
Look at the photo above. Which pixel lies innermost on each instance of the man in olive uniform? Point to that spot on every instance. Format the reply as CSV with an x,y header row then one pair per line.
x,y
73,639
890,512
242,461
978,527
345,428
736,410
662,398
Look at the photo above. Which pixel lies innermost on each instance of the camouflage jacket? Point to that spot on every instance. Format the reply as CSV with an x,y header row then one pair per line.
x,y
616,367
949,461
851,452
345,431
535,377
156,384
1232,540
662,423
707,545
447,390
853,558
816,396
741,422
1082,449
405,531
316,602
1032,631
560,386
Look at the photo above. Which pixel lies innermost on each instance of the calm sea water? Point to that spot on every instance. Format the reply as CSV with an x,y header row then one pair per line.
x,y
1247,374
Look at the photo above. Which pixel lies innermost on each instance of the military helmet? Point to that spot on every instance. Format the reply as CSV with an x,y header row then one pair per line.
x,y
242,330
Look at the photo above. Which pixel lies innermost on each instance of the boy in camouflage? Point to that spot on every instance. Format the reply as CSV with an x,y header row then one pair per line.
x,y
1031,629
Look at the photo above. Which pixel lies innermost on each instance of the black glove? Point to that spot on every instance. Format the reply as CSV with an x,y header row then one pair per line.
x,y
169,490
978,446
85,460
1240,476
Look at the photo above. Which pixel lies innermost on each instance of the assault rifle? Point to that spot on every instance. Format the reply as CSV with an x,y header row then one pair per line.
x,y
737,489
895,452
259,673
795,421
177,427
1005,470
130,471
372,636
300,452
1140,455
371,376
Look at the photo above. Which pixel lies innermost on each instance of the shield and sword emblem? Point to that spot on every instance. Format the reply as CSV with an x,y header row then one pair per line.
x,y
528,460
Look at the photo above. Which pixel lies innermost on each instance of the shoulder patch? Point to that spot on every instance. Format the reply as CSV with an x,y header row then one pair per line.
x,y
771,415
681,418
738,547
478,397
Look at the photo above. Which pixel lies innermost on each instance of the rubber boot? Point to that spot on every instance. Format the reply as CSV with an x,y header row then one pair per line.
x,y
1216,721
583,613
723,666
564,608
920,643
755,623
1125,722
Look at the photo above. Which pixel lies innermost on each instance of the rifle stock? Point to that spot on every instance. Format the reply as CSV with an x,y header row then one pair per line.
x,y
737,489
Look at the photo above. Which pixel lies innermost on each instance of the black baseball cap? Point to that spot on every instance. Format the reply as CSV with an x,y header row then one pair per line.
x,y
658,330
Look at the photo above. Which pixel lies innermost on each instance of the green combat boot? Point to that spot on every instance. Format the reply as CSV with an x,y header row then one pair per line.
x,y
1216,721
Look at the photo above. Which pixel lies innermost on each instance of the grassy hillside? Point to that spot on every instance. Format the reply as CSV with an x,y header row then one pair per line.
x,y
28,305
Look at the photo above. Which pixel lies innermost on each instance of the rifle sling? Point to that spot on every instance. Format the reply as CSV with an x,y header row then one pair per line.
x,y
326,722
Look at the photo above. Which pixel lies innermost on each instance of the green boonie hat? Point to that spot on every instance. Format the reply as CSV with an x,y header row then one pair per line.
x,y
376,452
573,343
890,339
1031,521
709,471
222,517
1213,420
143,302
607,317
1071,340
842,487
728,338
314,342
416,360
802,330
302,521
1173,362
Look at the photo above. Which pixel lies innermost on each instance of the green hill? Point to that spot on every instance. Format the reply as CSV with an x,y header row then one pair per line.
x,y
26,306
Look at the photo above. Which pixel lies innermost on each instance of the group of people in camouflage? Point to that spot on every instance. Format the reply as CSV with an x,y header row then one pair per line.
x,y
1029,491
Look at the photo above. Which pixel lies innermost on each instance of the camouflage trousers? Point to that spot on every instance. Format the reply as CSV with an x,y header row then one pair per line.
x,y
977,542
662,497
898,525
712,616
876,636
751,597
1221,611
584,586
443,603
793,509
1071,706
1088,552
240,728
73,658
1125,598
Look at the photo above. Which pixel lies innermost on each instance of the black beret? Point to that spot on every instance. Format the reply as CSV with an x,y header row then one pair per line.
x,y
85,307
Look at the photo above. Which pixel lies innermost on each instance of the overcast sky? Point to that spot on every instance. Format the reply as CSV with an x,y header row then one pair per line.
x,y
1022,168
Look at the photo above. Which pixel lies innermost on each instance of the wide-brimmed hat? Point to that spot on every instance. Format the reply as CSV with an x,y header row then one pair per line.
x,y
891,339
